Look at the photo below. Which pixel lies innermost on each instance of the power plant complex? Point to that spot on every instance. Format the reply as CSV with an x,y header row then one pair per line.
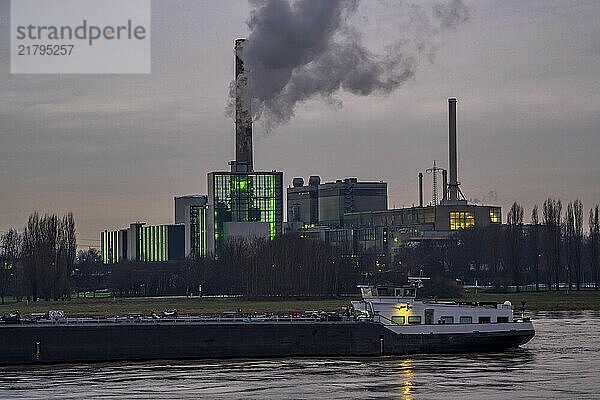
x,y
346,213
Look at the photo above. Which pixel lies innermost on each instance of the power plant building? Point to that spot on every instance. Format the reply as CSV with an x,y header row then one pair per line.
x,y
191,212
244,204
327,203
354,215
303,202
143,243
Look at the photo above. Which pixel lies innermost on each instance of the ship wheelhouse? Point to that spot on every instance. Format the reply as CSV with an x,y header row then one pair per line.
x,y
397,305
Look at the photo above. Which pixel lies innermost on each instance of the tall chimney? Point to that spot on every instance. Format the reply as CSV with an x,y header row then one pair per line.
x,y
420,189
243,116
453,184
444,185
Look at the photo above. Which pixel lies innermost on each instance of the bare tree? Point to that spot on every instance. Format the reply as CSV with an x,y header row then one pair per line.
x,y
88,264
515,240
49,249
552,212
577,240
534,236
10,256
594,243
569,231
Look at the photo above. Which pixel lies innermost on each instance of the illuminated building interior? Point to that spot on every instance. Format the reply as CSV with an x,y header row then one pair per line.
x,y
461,220
246,197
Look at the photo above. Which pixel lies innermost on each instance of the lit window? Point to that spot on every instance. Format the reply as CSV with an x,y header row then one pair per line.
x,y
398,319
495,216
461,220
414,319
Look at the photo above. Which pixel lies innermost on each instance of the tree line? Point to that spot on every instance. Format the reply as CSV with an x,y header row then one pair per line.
x,y
38,262
287,266
552,250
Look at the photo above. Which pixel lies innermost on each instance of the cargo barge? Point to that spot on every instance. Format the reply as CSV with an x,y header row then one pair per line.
x,y
387,321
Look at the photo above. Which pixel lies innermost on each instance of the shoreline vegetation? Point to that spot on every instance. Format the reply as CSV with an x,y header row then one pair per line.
x,y
109,306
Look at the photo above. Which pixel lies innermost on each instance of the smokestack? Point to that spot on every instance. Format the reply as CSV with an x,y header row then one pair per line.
x,y
445,184
453,184
420,189
243,116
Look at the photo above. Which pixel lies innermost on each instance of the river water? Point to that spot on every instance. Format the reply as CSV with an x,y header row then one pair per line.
x,y
562,361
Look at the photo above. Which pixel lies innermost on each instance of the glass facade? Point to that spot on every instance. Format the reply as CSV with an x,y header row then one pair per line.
x,y
152,243
247,197
461,220
198,231
113,246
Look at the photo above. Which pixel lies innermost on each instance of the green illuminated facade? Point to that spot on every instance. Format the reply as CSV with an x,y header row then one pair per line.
x,y
244,197
113,246
152,243
198,237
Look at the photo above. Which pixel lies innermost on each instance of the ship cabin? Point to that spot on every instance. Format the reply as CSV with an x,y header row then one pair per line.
x,y
396,305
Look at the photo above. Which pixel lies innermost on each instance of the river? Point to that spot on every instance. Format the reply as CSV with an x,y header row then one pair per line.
x,y
562,361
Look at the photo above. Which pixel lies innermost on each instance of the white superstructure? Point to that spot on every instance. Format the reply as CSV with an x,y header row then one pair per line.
x,y
398,310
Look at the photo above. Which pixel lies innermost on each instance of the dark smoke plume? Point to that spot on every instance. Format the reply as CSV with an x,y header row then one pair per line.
x,y
309,48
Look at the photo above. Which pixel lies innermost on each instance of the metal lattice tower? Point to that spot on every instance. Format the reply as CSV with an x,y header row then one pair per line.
x,y
434,190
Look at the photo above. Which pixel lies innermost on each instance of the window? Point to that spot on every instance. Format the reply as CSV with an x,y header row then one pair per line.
x,y
495,216
466,320
414,319
485,320
385,291
409,292
461,220
399,319
502,319
446,320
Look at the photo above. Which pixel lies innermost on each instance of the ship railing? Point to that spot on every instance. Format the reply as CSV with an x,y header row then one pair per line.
x,y
178,320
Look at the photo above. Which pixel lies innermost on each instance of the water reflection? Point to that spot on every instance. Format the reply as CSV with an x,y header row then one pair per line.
x,y
408,374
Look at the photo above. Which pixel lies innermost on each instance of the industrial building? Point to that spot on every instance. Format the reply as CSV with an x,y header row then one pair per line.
x,y
248,204
354,215
327,203
191,212
240,202
143,243
243,202
303,202
348,213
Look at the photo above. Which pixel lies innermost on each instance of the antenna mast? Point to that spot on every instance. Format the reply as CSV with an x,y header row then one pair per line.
x,y
434,172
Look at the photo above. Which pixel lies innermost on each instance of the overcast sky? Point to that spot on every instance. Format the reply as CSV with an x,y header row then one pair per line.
x,y
117,148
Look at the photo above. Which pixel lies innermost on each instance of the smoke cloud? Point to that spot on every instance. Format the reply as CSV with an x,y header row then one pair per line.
x,y
309,48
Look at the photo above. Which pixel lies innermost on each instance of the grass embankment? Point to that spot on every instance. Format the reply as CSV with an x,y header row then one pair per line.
x,y
542,301
123,306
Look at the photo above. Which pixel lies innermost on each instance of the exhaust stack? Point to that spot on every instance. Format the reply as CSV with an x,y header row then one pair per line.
x,y
243,115
453,189
420,189
444,185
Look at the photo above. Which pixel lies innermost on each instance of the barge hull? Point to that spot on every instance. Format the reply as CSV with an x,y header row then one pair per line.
x,y
63,343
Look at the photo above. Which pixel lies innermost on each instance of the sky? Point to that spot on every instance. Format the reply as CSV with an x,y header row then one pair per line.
x,y
116,148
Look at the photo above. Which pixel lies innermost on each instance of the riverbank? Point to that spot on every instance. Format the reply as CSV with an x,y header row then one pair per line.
x,y
101,306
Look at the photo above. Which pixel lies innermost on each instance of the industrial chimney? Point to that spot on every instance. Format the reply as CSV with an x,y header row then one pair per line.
x,y
444,185
420,189
243,115
453,186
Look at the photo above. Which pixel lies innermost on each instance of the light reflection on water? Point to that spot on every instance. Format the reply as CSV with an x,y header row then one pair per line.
x,y
562,361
